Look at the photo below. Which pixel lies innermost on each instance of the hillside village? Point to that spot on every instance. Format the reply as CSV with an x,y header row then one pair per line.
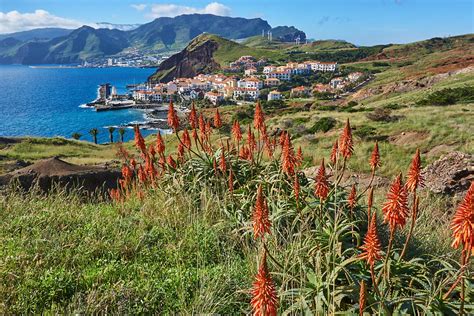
x,y
245,79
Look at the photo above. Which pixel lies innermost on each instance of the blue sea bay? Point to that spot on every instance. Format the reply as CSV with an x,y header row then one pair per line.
x,y
46,101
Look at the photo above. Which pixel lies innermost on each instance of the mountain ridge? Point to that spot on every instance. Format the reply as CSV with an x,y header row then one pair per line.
x,y
160,35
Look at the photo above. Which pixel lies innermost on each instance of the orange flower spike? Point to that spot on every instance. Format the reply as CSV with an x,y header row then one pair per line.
x,y
462,224
195,134
299,156
180,151
217,119
334,152
202,124
231,181
151,151
133,163
171,162
236,132
346,145
261,221
222,163
264,295
127,173
296,187
251,140
414,178
362,297
288,156
322,186
375,157
282,138
371,248
186,138
173,120
395,209
141,174
160,144
259,119
351,201
139,141
193,117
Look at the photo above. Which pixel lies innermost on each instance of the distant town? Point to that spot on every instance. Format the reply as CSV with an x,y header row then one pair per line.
x,y
245,79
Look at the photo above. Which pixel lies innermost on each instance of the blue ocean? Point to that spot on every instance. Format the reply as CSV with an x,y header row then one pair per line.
x,y
46,101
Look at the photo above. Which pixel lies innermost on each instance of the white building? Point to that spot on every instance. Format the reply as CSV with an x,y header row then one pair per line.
x,y
282,75
327,66
274,95
337,83
272,82
251,82
268,69
147,96
214,97
251,93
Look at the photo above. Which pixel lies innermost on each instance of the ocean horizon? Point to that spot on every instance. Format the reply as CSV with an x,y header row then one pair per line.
x,y
49,101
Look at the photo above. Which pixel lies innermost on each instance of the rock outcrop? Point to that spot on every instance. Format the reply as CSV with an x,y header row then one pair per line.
x,y
451,174
195,59
50,172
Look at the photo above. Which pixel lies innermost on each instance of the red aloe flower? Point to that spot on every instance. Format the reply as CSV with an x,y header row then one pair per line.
x,y
115,194
133,163
463,222
231,180
173,120
282,138
334,152
180,151
245,153
171,162
288,156
296,187
139,141
264,296
269,146
351,201
395,209
322,186
208,129
193,117
151,151
202,124
299,157
217,119
261,221
258,119
160,144
375,157
222,163
195,134
346,145
150,168
186,138
127,173
371,247
236,132
414,178
142,177
362,297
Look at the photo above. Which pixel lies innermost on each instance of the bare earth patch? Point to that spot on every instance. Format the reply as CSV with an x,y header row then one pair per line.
x,y
408,138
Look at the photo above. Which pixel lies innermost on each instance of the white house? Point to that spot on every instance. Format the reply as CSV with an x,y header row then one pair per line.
x,y
251,82
282,75
214,97
274,95
251,93
272,82
268,69
147,96
323,66
337,83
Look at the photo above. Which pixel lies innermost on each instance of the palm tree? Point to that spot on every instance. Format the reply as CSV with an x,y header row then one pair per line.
x,y
121,132
111,133
94,133
76,136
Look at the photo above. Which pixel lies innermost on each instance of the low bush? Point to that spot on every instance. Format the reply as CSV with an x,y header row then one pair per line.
x,y
324,124
449,96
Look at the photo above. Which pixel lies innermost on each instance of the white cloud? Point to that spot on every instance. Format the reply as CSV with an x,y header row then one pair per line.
x,y
138,7
172,10
15,21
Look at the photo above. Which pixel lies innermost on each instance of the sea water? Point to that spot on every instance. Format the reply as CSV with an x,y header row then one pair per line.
x,y
47,101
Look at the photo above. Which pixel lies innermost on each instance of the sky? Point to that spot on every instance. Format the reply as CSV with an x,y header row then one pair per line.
x,y
362,22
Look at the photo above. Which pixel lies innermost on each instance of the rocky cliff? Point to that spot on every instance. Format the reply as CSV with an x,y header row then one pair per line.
x,y
196,58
